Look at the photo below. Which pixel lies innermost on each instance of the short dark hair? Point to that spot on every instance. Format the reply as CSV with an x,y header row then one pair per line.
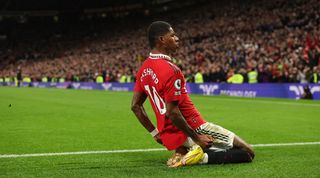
x,y
155,30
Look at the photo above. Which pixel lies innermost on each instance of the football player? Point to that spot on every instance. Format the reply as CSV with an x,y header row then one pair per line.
x,y
180,126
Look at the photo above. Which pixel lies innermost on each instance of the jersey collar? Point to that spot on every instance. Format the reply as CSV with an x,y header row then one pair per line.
x,y
157,56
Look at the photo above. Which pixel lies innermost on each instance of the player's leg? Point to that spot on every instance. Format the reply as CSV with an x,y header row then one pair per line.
x,y
233,155
227,148
224,139
196,155
241,144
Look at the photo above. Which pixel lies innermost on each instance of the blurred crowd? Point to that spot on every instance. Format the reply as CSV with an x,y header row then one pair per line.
x,y
263,41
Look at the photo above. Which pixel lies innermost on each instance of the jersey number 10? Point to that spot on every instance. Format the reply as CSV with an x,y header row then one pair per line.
x,y
156,99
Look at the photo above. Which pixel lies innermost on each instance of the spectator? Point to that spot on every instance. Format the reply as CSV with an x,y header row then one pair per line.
x,y
281,45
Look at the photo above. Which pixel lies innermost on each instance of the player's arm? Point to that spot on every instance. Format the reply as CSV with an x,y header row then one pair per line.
x,y
173,112
137,107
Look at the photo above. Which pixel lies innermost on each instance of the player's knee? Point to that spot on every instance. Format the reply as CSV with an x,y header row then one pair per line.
x,y
250,150
239,143
252,154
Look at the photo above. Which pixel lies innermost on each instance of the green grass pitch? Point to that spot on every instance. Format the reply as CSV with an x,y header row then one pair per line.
x,y
57,120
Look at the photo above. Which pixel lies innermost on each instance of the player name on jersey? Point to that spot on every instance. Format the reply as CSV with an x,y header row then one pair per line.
x,y
149,72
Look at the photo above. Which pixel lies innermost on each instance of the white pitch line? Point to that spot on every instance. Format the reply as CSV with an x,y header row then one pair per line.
x,y
268,102
137,150
286,144
81,153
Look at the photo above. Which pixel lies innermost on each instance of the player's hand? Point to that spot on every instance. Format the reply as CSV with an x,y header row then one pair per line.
x,y
205,141
158,139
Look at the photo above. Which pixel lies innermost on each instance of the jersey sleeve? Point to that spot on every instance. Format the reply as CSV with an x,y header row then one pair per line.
x,y
173,88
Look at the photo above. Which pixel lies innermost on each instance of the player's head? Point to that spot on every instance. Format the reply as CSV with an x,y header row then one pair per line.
x,y
161,33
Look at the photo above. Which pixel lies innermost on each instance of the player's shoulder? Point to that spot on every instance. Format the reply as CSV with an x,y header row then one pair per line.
x,y
175,69
167,67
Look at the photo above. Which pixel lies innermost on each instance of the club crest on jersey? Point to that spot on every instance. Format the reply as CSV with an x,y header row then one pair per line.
x,y
177,84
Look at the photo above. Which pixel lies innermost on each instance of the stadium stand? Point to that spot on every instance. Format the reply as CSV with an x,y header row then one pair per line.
x,y
278,39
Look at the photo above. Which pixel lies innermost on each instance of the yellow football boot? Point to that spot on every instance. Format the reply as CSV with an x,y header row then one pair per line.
x,y
194,156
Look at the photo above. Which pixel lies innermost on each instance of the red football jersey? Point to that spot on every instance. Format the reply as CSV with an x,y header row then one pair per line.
x,y
164,82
